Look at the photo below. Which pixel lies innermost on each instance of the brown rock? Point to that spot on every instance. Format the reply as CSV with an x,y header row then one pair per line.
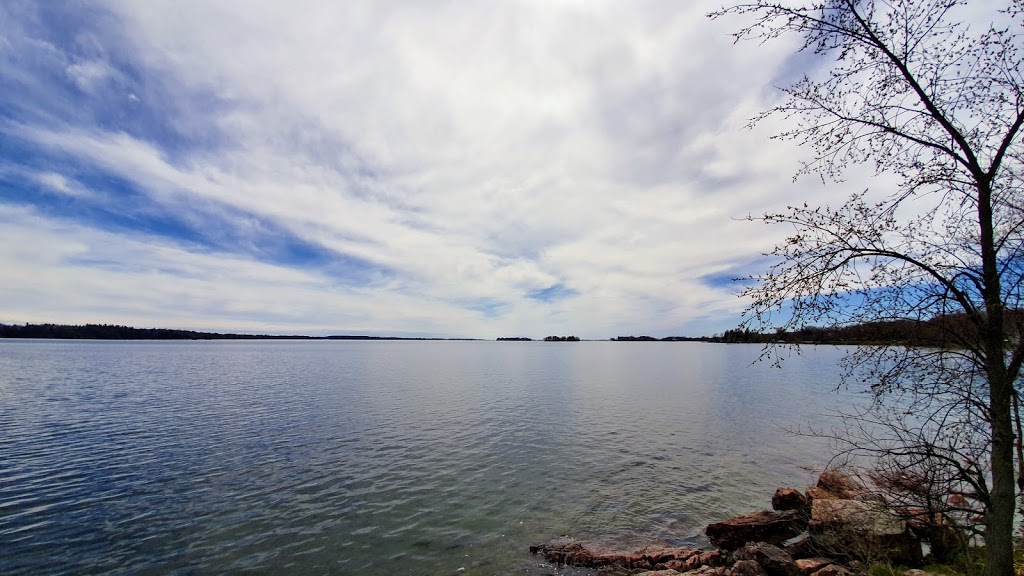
x,y
834,570
677,565
843,485
790,499
660,555
711,558
709,571
747,568
572,552
863,516
659,573
773,527
814,493
773,559
811,565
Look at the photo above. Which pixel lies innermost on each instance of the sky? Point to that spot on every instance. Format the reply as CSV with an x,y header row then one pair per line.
x,y
406,168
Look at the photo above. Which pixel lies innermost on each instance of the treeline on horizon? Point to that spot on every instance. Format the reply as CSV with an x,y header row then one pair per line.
x,y
938,331
546,339
117,332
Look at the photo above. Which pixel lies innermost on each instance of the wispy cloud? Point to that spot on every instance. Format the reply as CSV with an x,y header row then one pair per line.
x,y
458,169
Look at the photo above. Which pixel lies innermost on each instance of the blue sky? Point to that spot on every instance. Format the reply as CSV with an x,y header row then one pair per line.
x,y
454,169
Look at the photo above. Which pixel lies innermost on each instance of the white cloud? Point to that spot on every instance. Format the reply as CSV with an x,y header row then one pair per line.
x,y
478,152
89,74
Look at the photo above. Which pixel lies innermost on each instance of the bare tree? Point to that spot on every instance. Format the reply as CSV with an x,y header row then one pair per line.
x,y
927,463
913,90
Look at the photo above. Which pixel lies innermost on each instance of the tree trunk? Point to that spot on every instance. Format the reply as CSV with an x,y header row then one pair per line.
x,y
999,516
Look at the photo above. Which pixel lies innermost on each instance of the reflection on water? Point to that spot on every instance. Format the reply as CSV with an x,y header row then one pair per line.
x,y
385,457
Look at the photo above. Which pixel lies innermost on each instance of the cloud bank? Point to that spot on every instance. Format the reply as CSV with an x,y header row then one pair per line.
x,y
454,169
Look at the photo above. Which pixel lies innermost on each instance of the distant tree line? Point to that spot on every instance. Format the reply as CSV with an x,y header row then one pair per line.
x,y
561,339
933,332
665,339
515,339
116,332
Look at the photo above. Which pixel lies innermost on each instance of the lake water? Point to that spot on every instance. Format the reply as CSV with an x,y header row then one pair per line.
x,y
342,457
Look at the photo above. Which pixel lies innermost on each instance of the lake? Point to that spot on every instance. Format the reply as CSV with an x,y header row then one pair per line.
x,y
387,457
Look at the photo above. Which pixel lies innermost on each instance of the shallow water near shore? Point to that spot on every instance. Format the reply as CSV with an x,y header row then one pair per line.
x,y
342,457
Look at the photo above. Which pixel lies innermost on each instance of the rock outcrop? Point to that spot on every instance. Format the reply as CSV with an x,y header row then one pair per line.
x,y
854,529
834,521
773,527
572,552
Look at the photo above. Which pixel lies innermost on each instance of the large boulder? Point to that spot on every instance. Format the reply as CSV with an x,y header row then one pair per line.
x,y
835,485
840,484
790,499
861,530
773,527
773,559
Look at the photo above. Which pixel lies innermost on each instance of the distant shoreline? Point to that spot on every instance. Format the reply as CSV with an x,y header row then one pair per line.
x,y
115,332
930,333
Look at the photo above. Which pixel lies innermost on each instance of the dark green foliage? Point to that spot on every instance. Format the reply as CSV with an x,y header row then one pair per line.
x,y
115,332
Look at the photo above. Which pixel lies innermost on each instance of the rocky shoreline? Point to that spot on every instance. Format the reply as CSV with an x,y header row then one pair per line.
x,y
834,528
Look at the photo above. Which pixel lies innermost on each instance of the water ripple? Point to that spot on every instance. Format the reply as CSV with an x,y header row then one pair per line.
x,y
377,458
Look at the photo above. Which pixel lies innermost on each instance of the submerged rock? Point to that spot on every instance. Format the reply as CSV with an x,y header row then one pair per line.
x,y
773,527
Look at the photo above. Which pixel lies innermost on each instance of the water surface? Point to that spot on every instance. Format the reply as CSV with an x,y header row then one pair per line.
x,y
342,457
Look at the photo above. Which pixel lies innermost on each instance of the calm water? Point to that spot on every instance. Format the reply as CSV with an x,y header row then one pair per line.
x,y
385,457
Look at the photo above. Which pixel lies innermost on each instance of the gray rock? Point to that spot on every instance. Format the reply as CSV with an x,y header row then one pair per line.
x,y
773,559
855,529
747,568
